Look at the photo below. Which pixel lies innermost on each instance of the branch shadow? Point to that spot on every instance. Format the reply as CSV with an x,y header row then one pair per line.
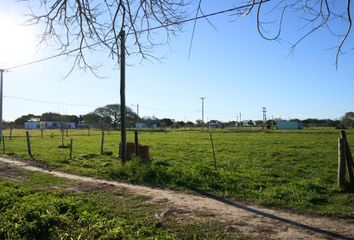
x,y
235,204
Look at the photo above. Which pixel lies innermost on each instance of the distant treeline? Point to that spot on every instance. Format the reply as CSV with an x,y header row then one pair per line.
x,y
108,117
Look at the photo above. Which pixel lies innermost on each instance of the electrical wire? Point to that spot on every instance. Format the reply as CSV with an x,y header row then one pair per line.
x,y
50,102
138,32
95,106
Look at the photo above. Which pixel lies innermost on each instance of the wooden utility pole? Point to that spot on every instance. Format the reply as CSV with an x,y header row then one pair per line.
x,y
136,139
1,97
122,98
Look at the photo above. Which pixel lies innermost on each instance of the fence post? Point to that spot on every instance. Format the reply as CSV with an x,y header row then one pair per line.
x,y
3,145
29,145
102,143
341,162
71,148
10,133
212,146
350,164
41,132
348,158
67,132
62,138
136,142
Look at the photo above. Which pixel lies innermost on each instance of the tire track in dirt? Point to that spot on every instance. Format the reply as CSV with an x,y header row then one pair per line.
x,y
253,221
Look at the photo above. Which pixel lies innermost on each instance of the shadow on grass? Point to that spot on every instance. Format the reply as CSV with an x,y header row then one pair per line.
x,y
348,187
236,204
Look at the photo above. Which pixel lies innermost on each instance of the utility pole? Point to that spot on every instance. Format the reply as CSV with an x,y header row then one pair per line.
x,y
1,91
202,98
264,111
240,118
122,98
137,116
136,138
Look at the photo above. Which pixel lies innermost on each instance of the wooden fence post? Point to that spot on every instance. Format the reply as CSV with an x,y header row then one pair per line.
x,y
62,138
67,132
29,145
102,143
341,162
136,142
348,158
212,146
10,133
71,148
3,145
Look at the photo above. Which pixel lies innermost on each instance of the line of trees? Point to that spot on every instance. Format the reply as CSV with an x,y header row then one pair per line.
x,y
108,117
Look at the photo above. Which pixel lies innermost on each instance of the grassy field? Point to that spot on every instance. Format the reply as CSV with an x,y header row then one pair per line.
x,y
40,206
294,170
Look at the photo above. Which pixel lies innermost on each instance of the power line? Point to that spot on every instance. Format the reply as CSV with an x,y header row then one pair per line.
x,y
50,102
166,110
87,105
138,32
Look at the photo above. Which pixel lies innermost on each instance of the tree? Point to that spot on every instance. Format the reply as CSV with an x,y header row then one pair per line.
x,y
70,118
91,119
55,117
8,125
181,123
199,123
86,25
189,124
20,122
165,122
81,26
110,114
150,121
258,123
348,119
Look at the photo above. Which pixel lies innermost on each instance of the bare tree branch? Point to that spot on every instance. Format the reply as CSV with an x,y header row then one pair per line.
x,y
88,25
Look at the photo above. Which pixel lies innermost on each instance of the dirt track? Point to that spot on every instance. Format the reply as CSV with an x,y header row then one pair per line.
x,y
252,221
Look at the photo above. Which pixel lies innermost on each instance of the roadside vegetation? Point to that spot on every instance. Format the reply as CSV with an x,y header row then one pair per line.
x,y
39,206
293,170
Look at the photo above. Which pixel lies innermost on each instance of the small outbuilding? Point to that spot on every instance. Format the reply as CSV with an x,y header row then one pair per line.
x,y
288,125
214,124
31,125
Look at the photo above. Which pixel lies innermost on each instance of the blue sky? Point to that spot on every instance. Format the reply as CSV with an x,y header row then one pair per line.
x,y
233,68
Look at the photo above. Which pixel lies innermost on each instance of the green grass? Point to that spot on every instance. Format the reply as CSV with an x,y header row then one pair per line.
x,y
294,170
40,206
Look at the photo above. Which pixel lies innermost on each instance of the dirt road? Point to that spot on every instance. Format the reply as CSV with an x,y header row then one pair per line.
x,y
253,221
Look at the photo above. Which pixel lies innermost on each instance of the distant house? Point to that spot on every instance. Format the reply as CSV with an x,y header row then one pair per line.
x,y
214,124
283,125
31,125
49,125
140,125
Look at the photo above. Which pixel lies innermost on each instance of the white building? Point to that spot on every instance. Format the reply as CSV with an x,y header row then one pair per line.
x,y
32,125
48,124
140,125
